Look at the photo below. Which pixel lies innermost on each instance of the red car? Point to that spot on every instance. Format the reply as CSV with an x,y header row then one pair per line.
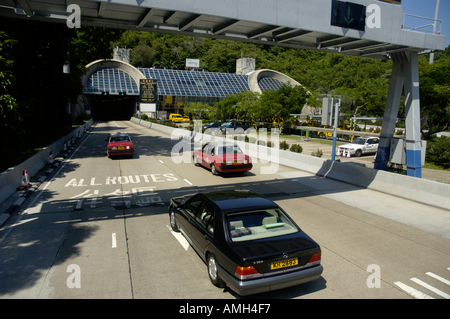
x,y
119,144
222,158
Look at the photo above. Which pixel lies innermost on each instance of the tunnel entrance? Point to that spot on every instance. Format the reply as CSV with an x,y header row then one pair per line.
x,y
112,107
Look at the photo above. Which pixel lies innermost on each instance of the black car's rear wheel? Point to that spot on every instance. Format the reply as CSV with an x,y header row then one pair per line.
x,y
213,273
173,222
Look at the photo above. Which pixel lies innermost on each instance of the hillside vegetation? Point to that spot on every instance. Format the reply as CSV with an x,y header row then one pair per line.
x,y
362,82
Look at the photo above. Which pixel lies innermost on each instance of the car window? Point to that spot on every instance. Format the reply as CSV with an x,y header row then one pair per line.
x,y
120,139
209,149
358,140
259,224
193,205
230,149
205,216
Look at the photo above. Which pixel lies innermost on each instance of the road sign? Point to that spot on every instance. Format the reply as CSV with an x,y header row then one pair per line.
x,y
348,15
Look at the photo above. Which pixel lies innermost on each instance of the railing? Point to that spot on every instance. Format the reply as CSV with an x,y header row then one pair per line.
x,y
422,28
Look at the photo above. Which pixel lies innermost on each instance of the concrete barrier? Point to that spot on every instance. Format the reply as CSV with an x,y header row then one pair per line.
x,y
407,187
11,178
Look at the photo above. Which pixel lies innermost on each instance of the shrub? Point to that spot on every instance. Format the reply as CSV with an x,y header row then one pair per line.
x,y
438,152
144,117
284,145
317,153
297,148
260,142
270,144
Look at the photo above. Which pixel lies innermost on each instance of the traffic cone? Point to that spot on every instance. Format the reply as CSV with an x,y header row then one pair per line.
x,y
64,146
73,141
348,153
50,158
25,183
69,143
375,157
338,153
79,134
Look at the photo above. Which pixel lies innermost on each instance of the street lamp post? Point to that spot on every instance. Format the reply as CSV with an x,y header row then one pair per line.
x,y
436,13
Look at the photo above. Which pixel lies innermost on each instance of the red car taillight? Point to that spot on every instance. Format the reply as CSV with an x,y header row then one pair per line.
x,y
246,272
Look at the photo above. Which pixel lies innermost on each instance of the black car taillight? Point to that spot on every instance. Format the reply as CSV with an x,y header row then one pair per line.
x,y
314,260
248,272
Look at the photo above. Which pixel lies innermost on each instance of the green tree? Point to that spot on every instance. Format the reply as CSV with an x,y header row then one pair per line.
x,y
10,119
199,110
284,101
143,56
434,96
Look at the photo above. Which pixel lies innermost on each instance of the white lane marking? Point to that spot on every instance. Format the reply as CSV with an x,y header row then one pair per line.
x,y
188,181
413,292
114,241
184,243
431,288
79,203
116,124
445,281
83,193
161,161
94,200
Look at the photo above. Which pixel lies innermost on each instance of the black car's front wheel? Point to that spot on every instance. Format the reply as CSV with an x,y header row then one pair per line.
x,y
213,273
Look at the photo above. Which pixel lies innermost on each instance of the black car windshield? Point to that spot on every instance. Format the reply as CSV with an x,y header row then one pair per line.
x,y
229,149
259,224
358,140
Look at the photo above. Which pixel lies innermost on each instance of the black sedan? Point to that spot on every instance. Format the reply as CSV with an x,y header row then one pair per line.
x,y
247,241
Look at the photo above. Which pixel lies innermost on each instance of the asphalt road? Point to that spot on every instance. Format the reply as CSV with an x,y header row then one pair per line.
x,y
99,229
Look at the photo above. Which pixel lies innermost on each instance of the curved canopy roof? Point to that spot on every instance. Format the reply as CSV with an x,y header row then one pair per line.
x,y
114,79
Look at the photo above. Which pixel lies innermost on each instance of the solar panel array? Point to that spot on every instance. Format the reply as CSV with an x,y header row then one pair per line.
x,y
194,83
269,83
205,85
111,80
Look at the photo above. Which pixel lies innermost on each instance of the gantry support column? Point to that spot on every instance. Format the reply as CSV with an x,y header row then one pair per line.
x,y
405,74
412,108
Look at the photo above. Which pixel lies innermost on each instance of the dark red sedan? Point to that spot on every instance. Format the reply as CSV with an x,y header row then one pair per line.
x,y
222,158
119,144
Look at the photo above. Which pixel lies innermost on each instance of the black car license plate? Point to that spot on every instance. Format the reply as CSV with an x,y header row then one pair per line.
x,y
284,263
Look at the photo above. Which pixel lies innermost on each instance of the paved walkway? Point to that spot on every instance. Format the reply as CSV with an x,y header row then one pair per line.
x,y
312,145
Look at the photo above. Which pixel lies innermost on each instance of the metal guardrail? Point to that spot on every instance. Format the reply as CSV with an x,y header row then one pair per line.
x,y
422,27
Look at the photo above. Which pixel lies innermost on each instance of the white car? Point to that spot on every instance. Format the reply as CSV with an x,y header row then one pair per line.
x,y
359,146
